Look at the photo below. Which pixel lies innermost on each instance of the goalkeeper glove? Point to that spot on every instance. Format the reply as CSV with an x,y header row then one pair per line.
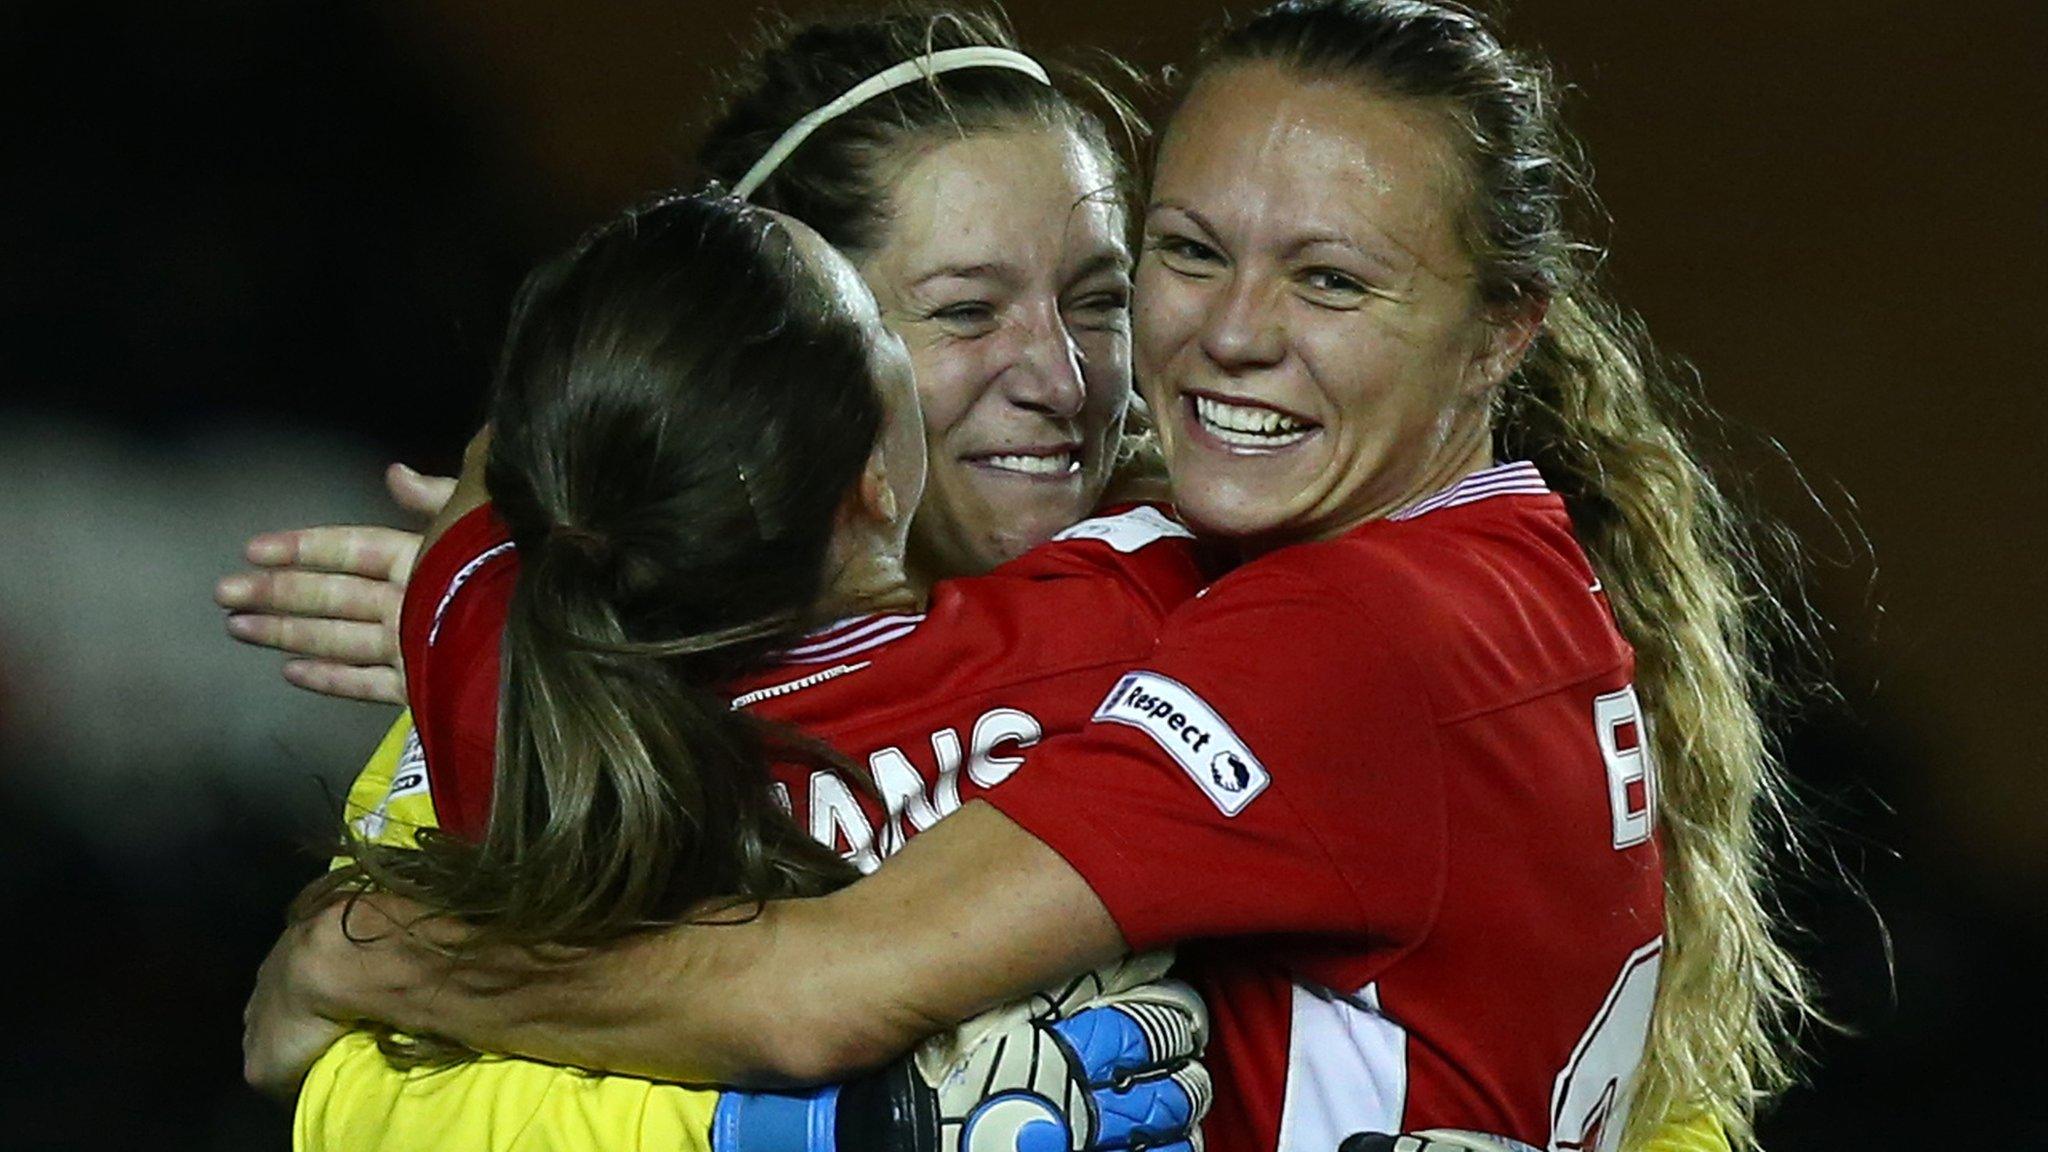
x,y
1104,1064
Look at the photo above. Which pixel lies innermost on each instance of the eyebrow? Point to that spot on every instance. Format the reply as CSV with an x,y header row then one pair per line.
x,y
1118,261
1309,240
1352,246
1200,220
982,271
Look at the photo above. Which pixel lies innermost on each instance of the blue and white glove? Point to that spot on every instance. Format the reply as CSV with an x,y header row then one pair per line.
x,y
1106,1063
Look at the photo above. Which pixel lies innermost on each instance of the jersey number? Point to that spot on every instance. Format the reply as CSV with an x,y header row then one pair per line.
x,y
1589,1101
1631,777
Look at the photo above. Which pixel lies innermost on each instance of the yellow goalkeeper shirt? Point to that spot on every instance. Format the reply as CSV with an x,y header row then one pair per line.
x,y
355,1101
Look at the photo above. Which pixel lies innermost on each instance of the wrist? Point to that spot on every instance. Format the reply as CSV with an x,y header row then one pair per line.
x,y
313,978
802,1121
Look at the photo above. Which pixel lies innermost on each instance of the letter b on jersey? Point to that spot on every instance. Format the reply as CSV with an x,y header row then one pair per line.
x,y
1631,776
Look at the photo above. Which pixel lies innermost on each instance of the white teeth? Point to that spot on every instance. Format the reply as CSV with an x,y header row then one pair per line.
x,y
1057,464
1248,426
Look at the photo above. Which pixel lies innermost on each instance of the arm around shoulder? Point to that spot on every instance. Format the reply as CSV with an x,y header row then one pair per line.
x,y
970,914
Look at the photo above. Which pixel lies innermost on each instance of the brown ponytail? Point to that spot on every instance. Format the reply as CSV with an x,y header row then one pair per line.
x,y
680,411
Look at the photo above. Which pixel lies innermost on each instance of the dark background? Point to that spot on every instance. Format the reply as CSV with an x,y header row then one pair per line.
x,y
250,249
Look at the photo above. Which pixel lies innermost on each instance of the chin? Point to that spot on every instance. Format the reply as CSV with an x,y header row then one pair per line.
x,y
1229,512
1027,523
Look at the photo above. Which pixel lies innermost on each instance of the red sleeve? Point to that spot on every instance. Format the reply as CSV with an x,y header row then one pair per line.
x,y
450,631
1272,769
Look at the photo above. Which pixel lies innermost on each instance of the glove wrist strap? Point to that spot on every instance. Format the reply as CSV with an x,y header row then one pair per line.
x,y
776,1121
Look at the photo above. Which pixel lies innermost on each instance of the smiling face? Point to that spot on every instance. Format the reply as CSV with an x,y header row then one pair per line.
x,y
1309,333
1004,270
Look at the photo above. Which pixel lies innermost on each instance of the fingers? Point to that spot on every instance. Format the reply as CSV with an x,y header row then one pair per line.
x,y
316,595
378,685
1157,1026
1150,1112
422,495
366,550
343,641
1111,1045
281,1035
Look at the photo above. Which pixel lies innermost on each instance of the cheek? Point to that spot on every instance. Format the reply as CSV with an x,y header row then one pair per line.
x,y
1386,395
948,384
1165,316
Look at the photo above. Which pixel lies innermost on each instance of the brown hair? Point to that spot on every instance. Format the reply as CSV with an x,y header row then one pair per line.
x,y
680,410
1594,406
839,181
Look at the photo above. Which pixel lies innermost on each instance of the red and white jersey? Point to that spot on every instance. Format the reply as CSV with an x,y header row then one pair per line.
x,y
1390,796
937,706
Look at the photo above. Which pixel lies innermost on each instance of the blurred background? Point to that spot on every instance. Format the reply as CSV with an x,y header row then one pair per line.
x,y
252,249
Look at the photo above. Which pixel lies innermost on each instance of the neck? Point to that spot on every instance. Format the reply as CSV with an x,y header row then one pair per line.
x,y
872,583
1470,453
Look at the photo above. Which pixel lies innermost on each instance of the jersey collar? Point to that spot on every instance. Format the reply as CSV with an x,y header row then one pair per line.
x,y
1519,478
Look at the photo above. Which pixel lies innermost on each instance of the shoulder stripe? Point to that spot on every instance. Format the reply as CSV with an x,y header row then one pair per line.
x,y
867,643
460,578
858,634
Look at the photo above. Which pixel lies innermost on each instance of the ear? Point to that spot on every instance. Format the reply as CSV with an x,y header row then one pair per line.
x,y
1511,329
876,496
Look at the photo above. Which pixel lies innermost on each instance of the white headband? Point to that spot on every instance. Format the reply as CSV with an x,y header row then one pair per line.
x,y
909,72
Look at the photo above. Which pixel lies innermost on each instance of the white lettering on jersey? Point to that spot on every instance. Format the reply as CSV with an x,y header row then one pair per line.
x,y
1589,1100
838,823
903,795
1192,733
997,727
1631,777
1347,1069
946,790
1128,531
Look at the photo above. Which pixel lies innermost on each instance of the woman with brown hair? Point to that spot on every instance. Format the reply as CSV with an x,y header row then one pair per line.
x,y
1409,719
702,456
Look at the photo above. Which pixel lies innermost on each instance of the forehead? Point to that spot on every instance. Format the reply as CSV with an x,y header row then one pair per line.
x,y
1029,198
1262,147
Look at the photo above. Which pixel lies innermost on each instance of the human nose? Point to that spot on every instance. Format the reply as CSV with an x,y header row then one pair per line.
x,y
1047,376
1241,328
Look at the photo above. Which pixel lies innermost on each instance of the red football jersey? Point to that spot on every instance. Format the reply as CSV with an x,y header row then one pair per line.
x,y
1405,773
937,706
